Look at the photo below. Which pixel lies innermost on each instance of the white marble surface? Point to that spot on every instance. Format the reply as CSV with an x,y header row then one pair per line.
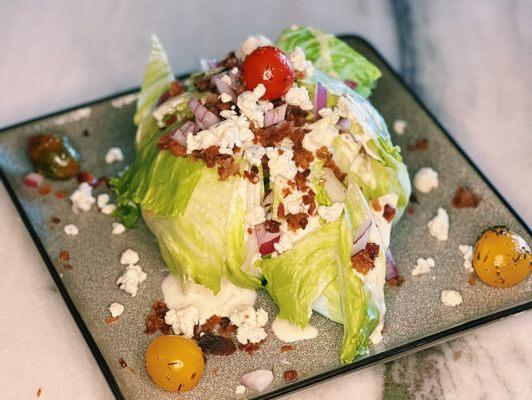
x,y
470,61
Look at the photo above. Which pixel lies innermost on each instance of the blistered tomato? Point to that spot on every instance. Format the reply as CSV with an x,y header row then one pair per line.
x,y
271,67
174,363
501,258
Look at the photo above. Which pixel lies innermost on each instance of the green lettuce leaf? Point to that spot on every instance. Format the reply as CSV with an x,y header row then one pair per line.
x,y
381,169
296,278
332,56
157,79
205,241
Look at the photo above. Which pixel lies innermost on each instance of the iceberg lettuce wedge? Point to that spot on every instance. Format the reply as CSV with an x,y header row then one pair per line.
x,y
157,79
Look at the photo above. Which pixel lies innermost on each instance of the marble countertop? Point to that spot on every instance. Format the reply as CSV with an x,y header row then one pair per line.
x,y
469,61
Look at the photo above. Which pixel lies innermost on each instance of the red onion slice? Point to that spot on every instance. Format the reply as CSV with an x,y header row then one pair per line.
x,y
343,124
204,118
222,86
208,63
33,180
361,236
274,116
257,380
180,134
266,240
320,97
268,200
392,272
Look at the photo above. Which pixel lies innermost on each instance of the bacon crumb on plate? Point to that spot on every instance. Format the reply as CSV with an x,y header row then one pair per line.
x,y
290,375
465,198
287,347
111,320
122,362
64,255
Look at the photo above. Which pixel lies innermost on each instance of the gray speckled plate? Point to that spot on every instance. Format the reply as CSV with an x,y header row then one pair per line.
x,y
416,318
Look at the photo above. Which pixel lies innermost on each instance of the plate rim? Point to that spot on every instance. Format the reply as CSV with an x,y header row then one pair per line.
x,y
387,355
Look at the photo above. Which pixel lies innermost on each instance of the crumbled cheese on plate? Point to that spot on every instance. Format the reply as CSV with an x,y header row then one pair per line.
x,y
116,309
423,266
467,254
426,179
130,280
451,298
439,225
114,154
71,229
118,228
399,126
250,324
129,257
82,199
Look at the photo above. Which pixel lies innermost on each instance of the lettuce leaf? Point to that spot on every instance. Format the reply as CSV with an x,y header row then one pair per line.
x,y
206,240
381,169
296,278
157,79
332,56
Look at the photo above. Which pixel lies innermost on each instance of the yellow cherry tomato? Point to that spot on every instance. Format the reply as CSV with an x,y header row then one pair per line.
x,y
174,363
501,258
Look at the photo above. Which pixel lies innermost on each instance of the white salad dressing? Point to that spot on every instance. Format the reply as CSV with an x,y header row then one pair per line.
x,y
287,332
223,304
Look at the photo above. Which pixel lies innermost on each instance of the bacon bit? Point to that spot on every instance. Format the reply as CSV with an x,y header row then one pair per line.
x,y
60,195
216,344
250,347
214,104
170,119
45,189
296,115
465,198
287,347
472,280
397,281
55,220
251,177
177,149
280,211
229,62
420,144
296,221
389,213
410,211
111,320
67,267
86,133
176,88
64,255
272,226
363,261
155,320
274,134
303,158
203,83
250,231
103,181
290,375
85,176
122,362
376,205
286,192
227,168
326,156
301,180
308,199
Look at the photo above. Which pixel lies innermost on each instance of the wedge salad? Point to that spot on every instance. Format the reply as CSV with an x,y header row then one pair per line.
x,y
270,169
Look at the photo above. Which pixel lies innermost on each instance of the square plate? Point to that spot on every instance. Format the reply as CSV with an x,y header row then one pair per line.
x,y
416,318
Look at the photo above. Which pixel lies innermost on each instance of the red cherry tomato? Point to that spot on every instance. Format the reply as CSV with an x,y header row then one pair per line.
x,y
271,67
